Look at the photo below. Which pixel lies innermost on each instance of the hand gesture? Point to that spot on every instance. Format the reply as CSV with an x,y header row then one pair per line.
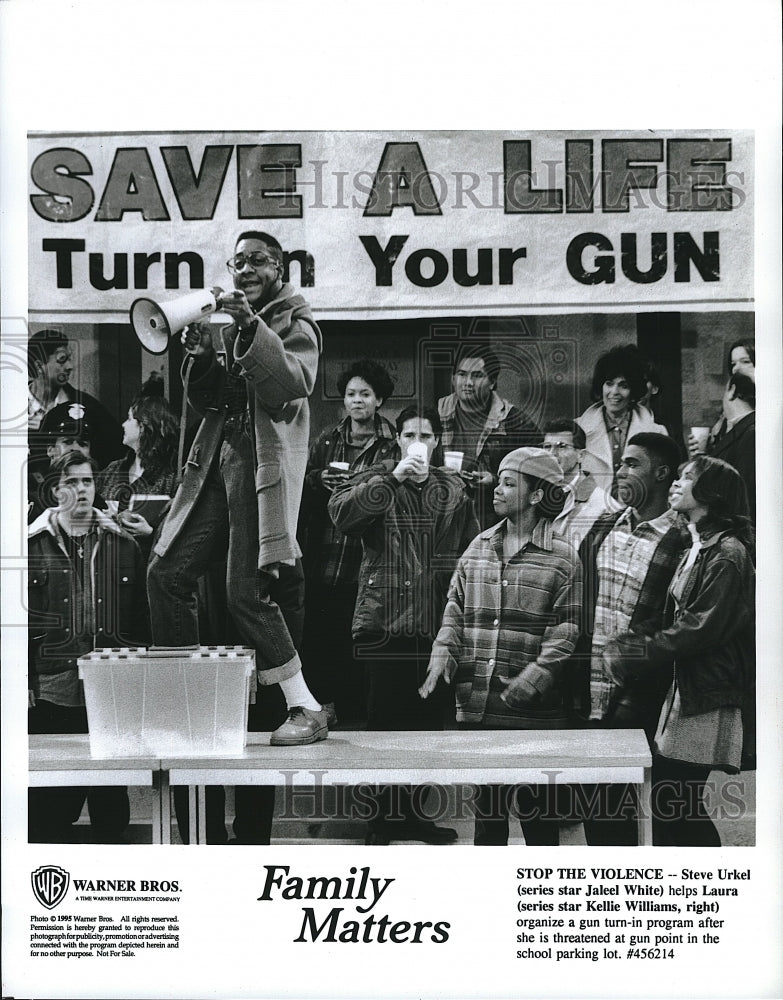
x,y
534,686
442,664
236,305
483,478
135,524
410,465
332,478
196,339
477,477
694,447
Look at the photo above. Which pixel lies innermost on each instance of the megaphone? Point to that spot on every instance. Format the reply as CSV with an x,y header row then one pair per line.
x,y
155,322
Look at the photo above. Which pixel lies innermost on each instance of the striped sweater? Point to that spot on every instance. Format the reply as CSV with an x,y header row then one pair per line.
x,y
502,616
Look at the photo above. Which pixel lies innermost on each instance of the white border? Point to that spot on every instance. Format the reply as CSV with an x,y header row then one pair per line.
x,y
237,65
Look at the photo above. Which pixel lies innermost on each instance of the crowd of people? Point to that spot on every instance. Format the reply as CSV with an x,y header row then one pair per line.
x,y
457,567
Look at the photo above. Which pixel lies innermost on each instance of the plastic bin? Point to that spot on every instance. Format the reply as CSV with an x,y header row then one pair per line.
x,y
167,702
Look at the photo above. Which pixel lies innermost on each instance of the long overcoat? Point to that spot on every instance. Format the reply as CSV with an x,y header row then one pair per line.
x,y
280,367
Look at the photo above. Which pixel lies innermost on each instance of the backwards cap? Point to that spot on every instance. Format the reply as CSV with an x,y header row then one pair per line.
x,y
535,462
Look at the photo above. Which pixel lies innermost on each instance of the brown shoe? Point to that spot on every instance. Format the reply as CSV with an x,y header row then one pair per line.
x,y
302,726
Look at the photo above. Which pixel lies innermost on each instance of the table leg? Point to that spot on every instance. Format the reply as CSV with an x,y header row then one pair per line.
x,y
201,793
165,798
161,808
644,792
193,816
156,808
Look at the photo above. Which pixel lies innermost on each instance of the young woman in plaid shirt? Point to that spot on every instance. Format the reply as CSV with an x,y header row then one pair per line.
x,y
510,626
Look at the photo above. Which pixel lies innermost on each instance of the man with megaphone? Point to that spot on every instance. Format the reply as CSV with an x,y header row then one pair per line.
x,y
242,481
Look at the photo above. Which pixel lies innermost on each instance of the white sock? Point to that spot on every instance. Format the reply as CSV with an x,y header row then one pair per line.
x,y
297,693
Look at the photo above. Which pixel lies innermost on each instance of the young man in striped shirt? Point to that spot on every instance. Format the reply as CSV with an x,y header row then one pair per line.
x,y
628,561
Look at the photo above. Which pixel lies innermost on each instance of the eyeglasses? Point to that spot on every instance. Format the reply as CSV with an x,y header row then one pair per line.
x,y
255,259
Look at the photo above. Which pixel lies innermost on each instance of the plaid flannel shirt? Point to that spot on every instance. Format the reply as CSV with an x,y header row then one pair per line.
x,y
502,616
112,483
635,564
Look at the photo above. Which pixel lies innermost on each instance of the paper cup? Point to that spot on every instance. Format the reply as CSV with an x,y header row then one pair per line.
x,y
453,460
701,436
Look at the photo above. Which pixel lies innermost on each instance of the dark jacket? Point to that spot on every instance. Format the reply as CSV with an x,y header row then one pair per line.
x,y
738,447
329,556
646,614
279,366
60,630
711,636
408,557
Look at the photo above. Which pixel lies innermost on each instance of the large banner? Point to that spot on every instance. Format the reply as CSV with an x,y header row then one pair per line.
x,y
398,224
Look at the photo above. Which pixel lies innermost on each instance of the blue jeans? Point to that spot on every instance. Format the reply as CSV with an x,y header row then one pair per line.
x,y
223,520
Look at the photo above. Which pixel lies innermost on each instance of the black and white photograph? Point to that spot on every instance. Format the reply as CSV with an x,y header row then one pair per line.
x,y
383,494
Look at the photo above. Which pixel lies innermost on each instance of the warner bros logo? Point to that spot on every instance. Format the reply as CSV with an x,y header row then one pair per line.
x,y
50,885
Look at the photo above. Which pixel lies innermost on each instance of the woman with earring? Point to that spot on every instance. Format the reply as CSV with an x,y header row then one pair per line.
x,y
616,415
708,632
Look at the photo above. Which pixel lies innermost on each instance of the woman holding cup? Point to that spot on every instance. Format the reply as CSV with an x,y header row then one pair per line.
x,y
741,359
331,560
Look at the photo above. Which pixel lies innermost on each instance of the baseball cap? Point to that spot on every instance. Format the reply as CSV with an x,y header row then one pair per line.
x,y
535,462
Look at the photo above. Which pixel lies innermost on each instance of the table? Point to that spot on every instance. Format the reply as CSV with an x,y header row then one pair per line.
x,y
464,757
64,759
